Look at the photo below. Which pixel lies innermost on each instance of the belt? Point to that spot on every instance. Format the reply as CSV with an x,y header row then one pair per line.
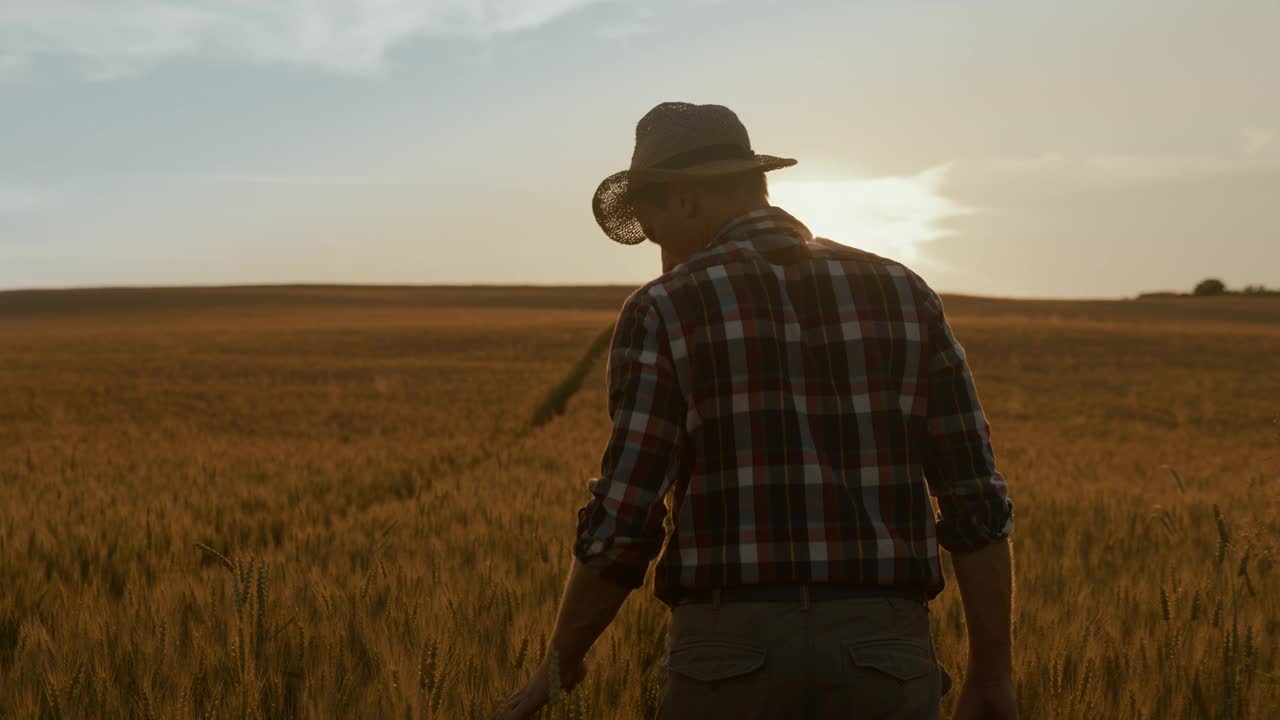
x,y
798,592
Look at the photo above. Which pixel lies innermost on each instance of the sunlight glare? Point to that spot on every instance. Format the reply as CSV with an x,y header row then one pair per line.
x,y
891,216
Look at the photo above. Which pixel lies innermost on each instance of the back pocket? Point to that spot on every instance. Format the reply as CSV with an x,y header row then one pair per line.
x,y
892,675
714,660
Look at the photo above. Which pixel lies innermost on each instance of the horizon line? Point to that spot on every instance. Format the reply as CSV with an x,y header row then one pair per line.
x,y
498,285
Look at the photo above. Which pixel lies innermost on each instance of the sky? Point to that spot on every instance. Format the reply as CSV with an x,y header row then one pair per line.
x,y
1017,148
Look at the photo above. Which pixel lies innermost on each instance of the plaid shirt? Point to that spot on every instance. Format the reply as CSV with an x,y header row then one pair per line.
x,y
783,407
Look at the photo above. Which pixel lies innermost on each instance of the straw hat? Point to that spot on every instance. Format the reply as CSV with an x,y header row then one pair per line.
x,y
674,141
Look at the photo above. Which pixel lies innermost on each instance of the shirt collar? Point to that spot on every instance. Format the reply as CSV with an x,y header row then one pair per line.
x,y
765,227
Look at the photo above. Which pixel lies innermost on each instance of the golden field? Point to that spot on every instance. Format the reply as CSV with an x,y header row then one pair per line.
x,y
333,502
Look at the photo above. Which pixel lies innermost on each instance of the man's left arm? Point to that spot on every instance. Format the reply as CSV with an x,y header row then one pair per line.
x,y
620,530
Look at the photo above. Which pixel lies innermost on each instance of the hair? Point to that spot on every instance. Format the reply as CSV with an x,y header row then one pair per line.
x,y
748,186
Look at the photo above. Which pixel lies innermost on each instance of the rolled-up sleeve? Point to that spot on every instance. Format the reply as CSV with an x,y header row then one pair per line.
x,y
960,465
620,530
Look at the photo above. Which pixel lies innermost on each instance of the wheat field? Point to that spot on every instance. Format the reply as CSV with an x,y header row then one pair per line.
x,y
359,502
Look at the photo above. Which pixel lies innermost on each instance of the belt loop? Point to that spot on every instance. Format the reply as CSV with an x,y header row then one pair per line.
x,y
715,598
804,596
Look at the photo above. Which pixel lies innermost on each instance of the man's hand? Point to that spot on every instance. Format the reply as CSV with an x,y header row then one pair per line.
x,y
526,701
588,606
987,698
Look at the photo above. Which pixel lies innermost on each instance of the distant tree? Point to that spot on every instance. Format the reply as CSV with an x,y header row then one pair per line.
x,y
1255,290
1210,286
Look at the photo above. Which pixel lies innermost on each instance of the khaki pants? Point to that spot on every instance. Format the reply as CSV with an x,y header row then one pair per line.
x,y
849,659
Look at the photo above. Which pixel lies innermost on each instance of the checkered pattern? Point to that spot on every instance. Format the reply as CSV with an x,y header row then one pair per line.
x,y
783,407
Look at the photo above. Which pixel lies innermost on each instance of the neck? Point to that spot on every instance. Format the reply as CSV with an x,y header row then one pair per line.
x,y
715,222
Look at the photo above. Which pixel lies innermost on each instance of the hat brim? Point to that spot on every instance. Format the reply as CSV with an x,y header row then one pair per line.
x,y
612,205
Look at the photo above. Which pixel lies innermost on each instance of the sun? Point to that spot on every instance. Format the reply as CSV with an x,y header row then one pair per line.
x,y
892,216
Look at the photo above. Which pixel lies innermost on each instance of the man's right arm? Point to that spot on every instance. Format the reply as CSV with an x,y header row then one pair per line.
x,y
977,518
959,463
985,577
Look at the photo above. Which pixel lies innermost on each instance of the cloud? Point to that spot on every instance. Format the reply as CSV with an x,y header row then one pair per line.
x,y
892,216
1258,149
638,21
121,37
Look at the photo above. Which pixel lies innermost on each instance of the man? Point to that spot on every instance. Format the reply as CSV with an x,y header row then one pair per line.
x,y
783,406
